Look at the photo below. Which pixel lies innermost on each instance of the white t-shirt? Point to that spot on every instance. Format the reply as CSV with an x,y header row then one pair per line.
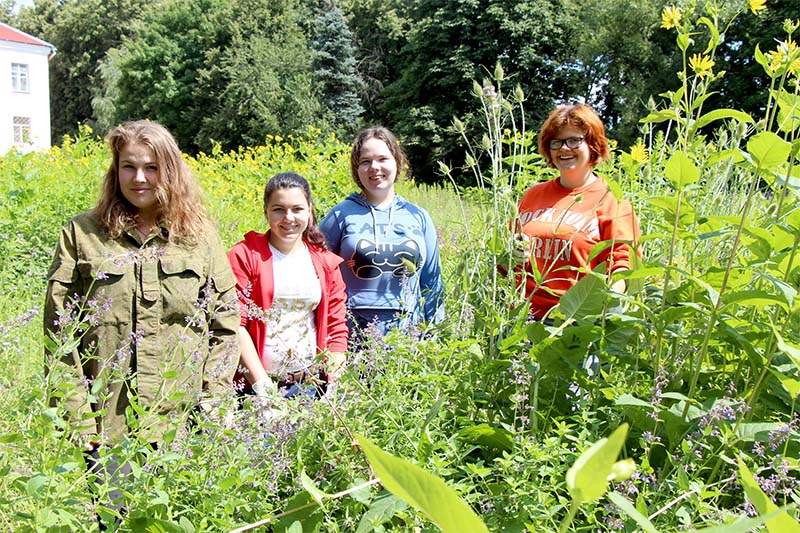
x,y
291,341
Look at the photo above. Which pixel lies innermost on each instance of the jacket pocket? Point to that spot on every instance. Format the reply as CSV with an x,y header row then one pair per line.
x,y
108,289
182,282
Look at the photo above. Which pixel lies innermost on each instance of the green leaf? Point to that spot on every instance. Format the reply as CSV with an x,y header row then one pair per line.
x,y
782,523
382,509
11,437
422,490
35,484
587,479
768,149
755,431
786,347
628,508
715,38
486,436
228,482
660,116
788,110
583,300
744,525
757,299
683,41
312,489
764,61
680,170
627,399
187,526
791,385
719,114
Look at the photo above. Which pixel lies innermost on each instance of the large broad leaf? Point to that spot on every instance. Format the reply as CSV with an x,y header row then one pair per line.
x,y
584,300
422,490
788,110
757,299
768,149
719,114
782,523
587,479
488,437
681,170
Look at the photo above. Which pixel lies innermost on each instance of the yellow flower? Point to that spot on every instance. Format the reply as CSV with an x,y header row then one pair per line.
x,y
757,5
701,65
787,54
670,17
639,153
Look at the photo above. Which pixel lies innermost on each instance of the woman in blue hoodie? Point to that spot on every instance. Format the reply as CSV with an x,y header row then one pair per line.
x,y
391,254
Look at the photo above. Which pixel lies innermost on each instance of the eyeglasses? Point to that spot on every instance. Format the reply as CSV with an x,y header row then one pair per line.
x,y
571,142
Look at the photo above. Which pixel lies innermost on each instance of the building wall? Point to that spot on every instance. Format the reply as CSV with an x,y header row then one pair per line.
x,y
34,105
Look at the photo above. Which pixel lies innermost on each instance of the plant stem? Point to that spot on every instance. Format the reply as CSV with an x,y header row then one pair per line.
x,y
573,510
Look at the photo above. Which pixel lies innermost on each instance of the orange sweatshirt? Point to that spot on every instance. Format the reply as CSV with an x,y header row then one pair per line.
x,y
564,225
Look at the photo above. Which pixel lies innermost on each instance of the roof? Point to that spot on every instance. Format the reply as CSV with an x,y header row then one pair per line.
x,y
7,33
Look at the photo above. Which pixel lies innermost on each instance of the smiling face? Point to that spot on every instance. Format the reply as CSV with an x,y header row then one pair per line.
x,y
138,180
574,164
288,213
377,171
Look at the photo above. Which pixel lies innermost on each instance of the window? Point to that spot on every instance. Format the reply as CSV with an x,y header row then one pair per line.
x,y
22,130
20,81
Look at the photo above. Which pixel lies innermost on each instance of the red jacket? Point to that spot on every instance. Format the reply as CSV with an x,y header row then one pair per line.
x,y
251,262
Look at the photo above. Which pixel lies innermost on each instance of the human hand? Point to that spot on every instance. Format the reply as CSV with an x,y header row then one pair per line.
x,y
265,388
521,249
336,364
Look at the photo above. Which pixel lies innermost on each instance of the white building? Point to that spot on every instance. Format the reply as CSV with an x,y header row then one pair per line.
x,y
24,90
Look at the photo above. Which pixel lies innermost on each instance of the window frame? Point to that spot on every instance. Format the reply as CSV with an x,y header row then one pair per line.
x,y
22,130
20,78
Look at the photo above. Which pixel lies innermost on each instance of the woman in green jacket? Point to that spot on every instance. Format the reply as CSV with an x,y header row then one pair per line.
x,y
141,313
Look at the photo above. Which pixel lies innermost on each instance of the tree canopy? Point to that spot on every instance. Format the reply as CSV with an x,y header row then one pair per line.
x,y
233,71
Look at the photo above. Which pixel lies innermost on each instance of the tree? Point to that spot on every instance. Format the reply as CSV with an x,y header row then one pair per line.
x,y
82,31
214,71
745,84
377,51
621,69
334,67
453,42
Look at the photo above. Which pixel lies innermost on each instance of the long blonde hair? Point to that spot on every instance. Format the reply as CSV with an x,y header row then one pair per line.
x,y
178,195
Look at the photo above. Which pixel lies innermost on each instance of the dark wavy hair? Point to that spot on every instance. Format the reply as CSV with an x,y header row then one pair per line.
x,y
582,117
381,133
287,180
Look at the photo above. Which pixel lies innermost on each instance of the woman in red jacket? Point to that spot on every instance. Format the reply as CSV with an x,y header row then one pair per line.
x,y
291,296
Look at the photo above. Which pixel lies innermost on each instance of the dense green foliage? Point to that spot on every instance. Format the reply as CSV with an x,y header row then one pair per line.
x,y
691,423
335,74
233,71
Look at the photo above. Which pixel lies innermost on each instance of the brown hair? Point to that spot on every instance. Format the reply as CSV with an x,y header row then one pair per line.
x,y
383,134
579,116
286,180
177,192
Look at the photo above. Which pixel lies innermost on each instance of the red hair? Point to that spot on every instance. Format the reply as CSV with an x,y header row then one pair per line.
x,y
582,117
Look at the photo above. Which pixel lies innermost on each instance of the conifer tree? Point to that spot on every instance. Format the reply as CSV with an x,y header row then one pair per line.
x,y
334,67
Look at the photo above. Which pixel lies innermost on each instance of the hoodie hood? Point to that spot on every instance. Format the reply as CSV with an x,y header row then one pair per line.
x,y
357,197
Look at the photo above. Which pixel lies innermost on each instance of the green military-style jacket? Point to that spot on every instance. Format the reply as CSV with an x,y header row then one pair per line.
x,y
143,329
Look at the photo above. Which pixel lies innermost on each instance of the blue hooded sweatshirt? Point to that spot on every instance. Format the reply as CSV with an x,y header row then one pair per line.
x,y
391,256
